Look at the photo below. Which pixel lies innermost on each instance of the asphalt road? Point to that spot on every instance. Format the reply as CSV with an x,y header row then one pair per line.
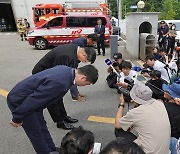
x,y
16,62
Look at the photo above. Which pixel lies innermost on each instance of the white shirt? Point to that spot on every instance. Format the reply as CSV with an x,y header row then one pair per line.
x,y
132,75
160,67
173,66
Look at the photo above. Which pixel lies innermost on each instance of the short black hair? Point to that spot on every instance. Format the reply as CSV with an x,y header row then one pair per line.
x,y
155,73
91,54
117,56
162,49
156,48
90,72
162,22
149,57
77,141
93,36
126,64
122,146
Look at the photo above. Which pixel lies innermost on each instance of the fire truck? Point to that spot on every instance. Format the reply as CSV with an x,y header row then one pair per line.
x,y
45,12
72,20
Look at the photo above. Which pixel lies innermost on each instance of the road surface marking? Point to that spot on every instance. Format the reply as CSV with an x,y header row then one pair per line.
x,y
140,62
3,93
101,119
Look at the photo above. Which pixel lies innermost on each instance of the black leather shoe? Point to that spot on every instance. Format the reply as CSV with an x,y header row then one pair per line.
x,y
65,125
70,120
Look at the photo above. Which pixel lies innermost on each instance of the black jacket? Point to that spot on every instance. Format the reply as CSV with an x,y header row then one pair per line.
x,y
61,55
152,84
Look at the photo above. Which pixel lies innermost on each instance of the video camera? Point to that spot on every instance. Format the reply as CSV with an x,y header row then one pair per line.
x,y
146,69
126,91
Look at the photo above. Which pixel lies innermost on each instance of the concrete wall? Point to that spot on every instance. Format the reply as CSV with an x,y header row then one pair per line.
x,y
133,22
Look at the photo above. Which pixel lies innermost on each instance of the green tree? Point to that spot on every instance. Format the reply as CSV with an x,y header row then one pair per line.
x,y
176,7
152,9
168,11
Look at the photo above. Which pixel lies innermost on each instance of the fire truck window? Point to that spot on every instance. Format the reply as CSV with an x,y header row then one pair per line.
x,y
92,21
39,12
55,11
47,10
76,22
56,22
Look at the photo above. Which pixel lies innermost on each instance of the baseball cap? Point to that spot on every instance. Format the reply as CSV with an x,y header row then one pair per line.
x,y
173,89
141,94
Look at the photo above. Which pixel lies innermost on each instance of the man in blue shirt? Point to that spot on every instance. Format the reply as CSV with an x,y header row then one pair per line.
x,y
33,94
163,31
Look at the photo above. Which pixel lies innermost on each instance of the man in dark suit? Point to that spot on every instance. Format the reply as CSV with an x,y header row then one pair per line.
x,y
35,93
100,30
69,55
88,41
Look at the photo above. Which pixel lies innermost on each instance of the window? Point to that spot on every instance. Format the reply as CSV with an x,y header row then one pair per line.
x,y
56,22
76,21
55,11
92,21
83,21
47,10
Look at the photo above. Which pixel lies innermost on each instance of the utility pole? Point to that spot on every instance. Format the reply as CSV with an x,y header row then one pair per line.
x,y
120,9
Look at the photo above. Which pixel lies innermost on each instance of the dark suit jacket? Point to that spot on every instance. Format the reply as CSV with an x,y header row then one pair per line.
x,y
100,31
82,42
61,55
38,91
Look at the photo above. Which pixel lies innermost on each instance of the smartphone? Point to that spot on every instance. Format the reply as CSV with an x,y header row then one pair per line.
x,y
97,148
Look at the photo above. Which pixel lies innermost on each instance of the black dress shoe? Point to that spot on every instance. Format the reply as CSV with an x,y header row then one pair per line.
x,y
65,125
98,54
70,120
103,54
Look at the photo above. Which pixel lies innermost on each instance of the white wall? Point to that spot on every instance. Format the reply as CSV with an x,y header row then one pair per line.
x,y
23,8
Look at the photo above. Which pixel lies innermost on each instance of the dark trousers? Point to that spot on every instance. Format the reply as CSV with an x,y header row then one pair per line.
x,y
171,44
57,110
23,35
163,43
125,134
100,44
35,127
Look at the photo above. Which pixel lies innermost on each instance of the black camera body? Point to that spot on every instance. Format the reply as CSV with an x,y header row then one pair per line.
x,y
146,69
126,91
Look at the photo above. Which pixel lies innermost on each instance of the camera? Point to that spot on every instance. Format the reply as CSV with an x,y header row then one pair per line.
x,y
146,69
126,91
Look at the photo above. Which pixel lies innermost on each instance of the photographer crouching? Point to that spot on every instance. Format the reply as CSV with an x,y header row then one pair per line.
x,y
153,64
149,119
112,77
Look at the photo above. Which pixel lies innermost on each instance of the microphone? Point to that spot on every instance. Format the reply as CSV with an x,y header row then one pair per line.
x,y
109,63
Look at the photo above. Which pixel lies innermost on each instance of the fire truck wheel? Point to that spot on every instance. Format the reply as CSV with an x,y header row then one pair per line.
x,y
40,43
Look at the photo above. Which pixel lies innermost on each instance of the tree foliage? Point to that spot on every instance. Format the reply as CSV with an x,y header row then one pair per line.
x,y
170,9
